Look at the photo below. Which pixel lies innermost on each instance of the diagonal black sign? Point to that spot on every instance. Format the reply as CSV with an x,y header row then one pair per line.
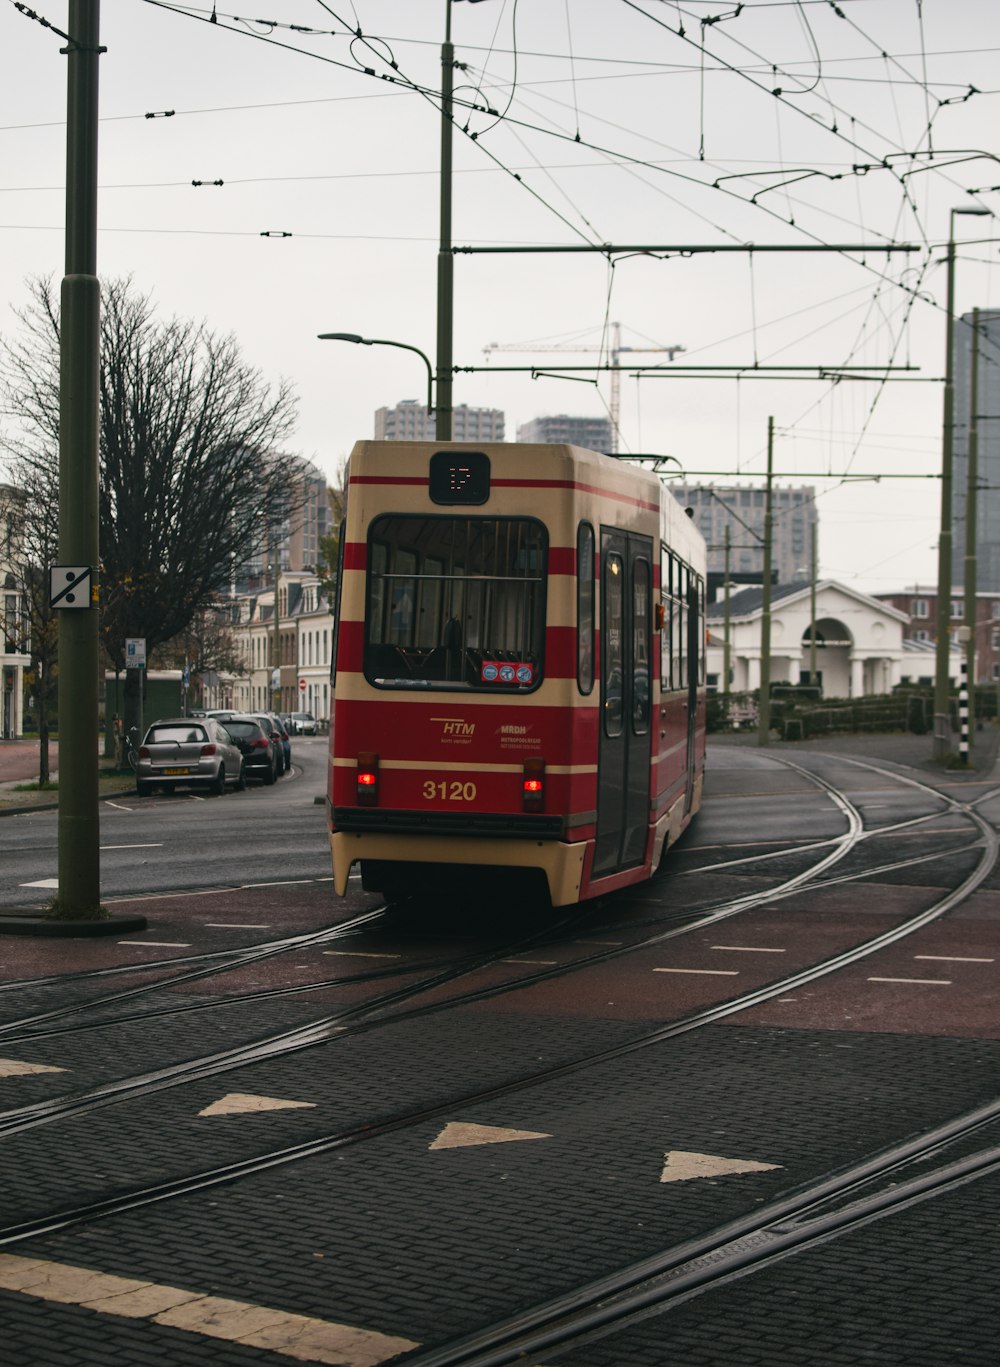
x,y
67,590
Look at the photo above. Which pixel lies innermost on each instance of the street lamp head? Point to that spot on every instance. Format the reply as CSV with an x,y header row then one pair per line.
x,y
344,337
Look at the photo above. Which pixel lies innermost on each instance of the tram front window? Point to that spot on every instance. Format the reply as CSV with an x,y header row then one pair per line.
x,y
455,602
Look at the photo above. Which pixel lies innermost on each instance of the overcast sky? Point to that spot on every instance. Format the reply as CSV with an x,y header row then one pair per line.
x,y
615,121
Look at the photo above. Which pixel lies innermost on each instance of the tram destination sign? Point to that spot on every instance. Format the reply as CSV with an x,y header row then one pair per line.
x,y
458,477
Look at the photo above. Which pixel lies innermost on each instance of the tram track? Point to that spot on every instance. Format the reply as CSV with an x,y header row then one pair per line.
x,y
835,1204
352,1019
239,959
230,1172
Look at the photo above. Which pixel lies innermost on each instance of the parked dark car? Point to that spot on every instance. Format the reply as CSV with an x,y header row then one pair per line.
x,y
279,729
194,751
259,750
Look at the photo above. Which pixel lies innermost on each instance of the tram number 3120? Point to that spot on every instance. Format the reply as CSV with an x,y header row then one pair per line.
x,y
454,791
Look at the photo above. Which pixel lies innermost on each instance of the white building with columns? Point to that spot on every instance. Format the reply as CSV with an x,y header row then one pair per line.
x,y
859,640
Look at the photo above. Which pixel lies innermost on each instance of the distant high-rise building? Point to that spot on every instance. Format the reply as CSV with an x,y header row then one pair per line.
x,y
412,421
988,448
298,539
741,508
594,434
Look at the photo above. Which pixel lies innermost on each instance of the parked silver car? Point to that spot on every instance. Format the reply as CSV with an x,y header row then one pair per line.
x,y
305,723
196,751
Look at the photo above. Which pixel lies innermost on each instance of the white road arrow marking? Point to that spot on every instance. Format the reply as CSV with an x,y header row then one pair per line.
x,y
455,1136
13,1067
243,1103
681,1166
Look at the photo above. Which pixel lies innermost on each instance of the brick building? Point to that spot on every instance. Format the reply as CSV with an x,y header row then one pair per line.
x,y
920,605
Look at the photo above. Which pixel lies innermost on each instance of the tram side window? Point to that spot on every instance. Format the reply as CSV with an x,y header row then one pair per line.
x,y
455,602
640,647
585,607
702,633
614,584
666,632
683,587
341,551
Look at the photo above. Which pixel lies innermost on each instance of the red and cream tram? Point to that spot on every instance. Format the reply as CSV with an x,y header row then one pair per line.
x,y
518,675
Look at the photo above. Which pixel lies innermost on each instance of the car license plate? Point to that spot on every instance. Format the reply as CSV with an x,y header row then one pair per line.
x,y
177,771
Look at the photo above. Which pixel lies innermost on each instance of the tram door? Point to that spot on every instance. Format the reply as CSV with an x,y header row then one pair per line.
x,y
626,690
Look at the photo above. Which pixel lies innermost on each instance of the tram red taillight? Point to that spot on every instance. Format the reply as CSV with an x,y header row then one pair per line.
x,y
367,779
533,783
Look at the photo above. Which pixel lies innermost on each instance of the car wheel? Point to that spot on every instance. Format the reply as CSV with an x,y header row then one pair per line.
x,y
218,786
143,788
241,782
269,775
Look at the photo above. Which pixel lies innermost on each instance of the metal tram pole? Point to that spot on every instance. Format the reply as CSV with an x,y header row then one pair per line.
x,y
726,643
79,895
942,720
446,259
971,500
764,710
812,610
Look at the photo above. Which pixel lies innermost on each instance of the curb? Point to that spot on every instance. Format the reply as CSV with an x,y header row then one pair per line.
x,y
29,924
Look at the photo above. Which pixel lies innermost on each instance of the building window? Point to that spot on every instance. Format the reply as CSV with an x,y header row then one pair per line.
x,y
919,608
921,635
995,640
995,609
957,609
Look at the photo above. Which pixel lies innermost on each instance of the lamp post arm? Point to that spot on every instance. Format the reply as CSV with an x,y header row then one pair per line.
x,y
405,346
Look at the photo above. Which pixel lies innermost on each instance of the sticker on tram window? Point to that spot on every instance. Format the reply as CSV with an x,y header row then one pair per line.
x,y
492,671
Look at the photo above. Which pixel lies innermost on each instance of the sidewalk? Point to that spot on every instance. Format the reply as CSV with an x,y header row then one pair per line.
x,y
19,760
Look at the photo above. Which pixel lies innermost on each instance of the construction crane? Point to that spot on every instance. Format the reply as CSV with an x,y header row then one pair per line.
x,y
614,352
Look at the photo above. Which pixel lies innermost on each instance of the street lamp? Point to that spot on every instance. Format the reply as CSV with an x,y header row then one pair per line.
x,y
384,341
942,744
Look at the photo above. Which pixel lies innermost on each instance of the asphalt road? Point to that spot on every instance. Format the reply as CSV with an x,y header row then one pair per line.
x,y
185,840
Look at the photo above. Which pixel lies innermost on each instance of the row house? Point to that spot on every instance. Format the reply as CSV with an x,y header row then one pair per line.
x,y
920,606
296,677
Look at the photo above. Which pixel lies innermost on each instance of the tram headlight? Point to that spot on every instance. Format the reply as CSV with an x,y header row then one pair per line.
x,y
367,779
533,783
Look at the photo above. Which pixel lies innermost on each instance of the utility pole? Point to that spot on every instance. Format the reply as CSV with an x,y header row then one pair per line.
x,y
971,492
726,646
942,715
446,261
812,611
764,711
79,860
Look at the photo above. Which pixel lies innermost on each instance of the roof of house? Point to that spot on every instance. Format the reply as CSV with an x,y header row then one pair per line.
x,y
749,602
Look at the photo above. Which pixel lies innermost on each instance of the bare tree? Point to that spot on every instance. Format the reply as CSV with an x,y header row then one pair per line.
x,y
189,485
